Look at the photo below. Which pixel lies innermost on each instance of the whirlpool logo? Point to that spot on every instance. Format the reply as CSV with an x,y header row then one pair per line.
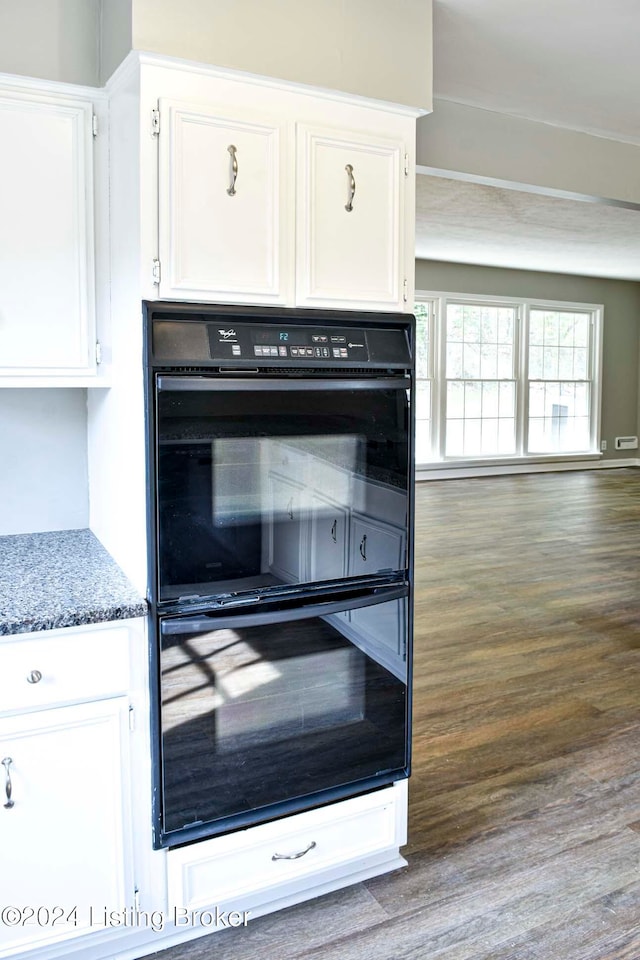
x,y
227,334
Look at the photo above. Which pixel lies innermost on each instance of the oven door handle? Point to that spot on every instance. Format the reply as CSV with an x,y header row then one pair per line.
x,y
175,626
204,383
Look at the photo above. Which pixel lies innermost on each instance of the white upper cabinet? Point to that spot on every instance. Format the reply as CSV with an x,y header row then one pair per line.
x,y
278,195
349,220
47,312
223,204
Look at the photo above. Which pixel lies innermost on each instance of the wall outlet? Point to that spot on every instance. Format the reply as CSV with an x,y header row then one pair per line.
x,y
626,443
603,445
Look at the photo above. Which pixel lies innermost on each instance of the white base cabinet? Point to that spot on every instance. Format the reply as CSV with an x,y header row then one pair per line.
x,y
63,838
248,870
66,830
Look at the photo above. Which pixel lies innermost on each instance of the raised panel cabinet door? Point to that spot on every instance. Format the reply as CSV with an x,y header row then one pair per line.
x,y
222,206
375,547
328,530
286,529
63,834
47,314
349,220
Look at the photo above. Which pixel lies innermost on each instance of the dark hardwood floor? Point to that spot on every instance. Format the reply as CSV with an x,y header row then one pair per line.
x,y
525,797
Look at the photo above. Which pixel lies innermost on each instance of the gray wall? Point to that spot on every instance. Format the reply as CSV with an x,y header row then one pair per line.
x,y
43,477
53,39
374,48
621,336
368,47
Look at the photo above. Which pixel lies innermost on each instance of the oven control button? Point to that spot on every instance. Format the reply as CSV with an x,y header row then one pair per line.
x,y
338,339
325,351
318,338
257,351
336,351
235,349
294,351
344,352
282,351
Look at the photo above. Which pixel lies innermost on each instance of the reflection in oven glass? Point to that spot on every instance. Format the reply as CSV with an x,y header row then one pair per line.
x,y
259,715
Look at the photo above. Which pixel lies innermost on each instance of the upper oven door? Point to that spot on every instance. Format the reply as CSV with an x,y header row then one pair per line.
x,y
264,482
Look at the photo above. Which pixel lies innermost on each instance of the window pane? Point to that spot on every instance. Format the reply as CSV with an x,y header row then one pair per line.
x,y
536,367
454,441
489,361
455,400
559,417
454,323
490,399
507,400
473,399
423,345
480,359
565,362
505,362
550,363
580,363
454,360
471,361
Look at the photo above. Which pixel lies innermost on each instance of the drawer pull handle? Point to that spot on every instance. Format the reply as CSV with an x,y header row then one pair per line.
x,y
34,677
293,856
334,529
231,189
8,789
290,508
352,188
363,547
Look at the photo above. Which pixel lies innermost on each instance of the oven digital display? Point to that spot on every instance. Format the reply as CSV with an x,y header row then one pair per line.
x,y
298,338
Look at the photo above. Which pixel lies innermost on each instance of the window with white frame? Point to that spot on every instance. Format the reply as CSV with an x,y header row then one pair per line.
x,y
500,378
424,379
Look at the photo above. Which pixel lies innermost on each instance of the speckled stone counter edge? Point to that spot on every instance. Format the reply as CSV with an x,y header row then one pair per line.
x,y
65,578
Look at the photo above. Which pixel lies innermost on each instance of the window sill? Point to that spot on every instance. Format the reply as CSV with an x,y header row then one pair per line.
x,y
451,469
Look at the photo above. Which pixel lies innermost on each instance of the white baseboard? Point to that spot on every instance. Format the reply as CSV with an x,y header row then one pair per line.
x,y
456,471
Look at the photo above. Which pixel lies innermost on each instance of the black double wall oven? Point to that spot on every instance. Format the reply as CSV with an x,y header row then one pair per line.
x,y
280,507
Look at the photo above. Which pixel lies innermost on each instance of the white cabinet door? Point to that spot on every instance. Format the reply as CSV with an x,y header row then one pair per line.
x,y
62,826
376,547
380,629
328,532
47,317
286,529
349,220
223,205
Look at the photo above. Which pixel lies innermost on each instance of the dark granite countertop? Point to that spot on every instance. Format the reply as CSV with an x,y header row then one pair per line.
x,y
61,579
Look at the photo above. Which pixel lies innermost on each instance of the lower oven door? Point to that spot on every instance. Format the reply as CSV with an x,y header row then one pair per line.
x,y
272,712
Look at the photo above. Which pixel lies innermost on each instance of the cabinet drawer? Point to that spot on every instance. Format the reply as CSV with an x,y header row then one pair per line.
x,y
231,868
57,668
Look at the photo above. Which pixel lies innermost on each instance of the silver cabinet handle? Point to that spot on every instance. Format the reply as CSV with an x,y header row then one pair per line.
x,y
290,508
293,856
231,189
363,547
6,763
334,528
34,677
352,188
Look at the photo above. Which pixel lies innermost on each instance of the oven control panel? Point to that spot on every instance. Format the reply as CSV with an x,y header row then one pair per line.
x,y
227,340
296,344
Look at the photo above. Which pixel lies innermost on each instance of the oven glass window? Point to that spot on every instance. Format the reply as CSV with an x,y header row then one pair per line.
x,y
255,716
259,488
